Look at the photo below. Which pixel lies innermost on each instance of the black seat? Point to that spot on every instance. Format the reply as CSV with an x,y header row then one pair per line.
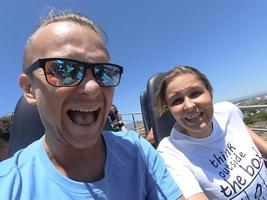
x,y
161,125
27,126
145,111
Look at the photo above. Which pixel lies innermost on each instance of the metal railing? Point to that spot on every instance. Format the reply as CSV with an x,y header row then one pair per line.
x,y
260,131
244,108
134,121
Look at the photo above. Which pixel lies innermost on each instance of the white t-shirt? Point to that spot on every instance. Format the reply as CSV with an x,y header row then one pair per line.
x,y
225,165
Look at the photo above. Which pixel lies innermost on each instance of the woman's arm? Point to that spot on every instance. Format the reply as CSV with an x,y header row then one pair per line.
x,y
259,142
199,196
181,198
150,137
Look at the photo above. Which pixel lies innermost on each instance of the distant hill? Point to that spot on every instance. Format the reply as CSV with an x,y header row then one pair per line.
x,y
253,99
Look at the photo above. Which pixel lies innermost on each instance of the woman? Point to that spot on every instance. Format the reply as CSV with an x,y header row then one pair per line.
x,y
210,152
116,120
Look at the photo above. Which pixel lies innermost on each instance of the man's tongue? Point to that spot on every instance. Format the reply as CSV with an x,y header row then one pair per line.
x,y
81,118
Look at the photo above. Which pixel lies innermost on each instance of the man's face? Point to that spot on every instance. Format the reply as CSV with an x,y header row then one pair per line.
x,y
76,115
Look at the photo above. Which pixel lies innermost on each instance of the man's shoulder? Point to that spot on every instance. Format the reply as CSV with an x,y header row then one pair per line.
x,y
129,135
10,177
7,166
128,140
18,160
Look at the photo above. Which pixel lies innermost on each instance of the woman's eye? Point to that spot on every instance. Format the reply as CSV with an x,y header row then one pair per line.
x,y
195,94
177,101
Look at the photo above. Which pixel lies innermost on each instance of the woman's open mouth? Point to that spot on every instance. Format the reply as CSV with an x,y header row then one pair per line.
x,y
194,117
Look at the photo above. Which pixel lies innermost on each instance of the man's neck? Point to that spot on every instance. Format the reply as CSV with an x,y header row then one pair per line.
x,y
85,165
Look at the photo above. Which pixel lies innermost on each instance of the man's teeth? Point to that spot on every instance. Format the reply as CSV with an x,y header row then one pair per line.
x,y
84,109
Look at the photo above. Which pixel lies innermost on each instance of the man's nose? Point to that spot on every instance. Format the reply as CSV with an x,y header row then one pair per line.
x,y
89,85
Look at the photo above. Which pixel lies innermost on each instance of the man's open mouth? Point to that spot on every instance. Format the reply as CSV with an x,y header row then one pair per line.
x,y
83,117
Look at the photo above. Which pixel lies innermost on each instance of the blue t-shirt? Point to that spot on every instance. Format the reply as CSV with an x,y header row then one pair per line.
x,y
133,170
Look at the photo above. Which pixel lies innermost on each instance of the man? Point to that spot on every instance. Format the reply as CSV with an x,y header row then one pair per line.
x,y
69,77
5,128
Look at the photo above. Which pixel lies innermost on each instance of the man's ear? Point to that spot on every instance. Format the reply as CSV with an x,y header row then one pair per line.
x,y
28,91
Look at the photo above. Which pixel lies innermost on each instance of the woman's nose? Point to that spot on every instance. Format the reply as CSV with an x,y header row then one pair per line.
x,y
189,104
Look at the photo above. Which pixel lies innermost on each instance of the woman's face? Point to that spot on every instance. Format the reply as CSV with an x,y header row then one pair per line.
x,y
191,105
112,109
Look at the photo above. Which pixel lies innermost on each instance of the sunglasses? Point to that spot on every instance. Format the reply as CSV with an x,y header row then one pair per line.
x,y
63,72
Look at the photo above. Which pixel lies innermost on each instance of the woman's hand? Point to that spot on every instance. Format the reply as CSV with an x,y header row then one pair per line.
x,y
259,142
199,196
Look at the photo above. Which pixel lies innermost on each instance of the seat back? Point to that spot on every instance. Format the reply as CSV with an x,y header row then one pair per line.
x,y
145,111
27,126
161,125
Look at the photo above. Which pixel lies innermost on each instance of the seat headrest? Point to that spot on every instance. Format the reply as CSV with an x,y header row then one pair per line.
x,y
26,126
145,111
161,125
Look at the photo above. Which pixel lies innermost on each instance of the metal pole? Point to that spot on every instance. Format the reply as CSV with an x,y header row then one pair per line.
x,y
134,122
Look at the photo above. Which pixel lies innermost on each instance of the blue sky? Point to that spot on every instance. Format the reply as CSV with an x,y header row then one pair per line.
x,y
225,39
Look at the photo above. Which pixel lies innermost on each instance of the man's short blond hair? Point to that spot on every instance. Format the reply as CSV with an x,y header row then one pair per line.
x,y
61,16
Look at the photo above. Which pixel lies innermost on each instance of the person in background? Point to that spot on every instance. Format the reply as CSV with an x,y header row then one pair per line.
x,y
115,119
69,76
5,129
210,148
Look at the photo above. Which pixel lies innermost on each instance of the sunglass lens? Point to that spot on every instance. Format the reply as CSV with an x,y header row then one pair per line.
x,y
63,73
107,75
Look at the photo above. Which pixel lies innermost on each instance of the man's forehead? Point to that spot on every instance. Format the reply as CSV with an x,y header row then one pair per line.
x,y
57,36
61,28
